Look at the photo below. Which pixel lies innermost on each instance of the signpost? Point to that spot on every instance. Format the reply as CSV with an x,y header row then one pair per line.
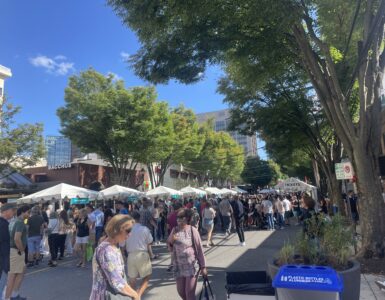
x,y
344,171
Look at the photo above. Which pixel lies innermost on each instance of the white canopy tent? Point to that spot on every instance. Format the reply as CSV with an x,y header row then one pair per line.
x,y
226,191
295,185
59,192
213,191
119,192
239,191
162,191
192,192
268,191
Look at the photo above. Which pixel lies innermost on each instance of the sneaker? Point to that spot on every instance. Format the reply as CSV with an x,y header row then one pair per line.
x,y
243,244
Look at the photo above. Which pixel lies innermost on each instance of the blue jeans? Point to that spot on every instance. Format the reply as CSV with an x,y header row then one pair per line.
x,y
98,234
3,283
227,223
270,221
281,220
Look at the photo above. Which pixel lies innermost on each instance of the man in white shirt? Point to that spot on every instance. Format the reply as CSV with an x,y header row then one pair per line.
x,y
138,262
267,207
287,207
98,216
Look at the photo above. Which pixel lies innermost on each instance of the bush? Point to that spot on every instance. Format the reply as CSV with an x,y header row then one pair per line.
x,y
324,241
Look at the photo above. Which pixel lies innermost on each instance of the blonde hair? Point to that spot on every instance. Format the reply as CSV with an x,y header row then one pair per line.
x,y
114,226
83,213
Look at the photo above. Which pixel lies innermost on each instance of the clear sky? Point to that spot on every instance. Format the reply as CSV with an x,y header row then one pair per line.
x,y
44,42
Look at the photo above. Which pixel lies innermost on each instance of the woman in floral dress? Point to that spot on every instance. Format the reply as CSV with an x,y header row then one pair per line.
x,y
108,264
187,253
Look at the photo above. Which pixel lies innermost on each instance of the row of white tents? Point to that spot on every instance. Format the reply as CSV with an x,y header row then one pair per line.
x,y
117,192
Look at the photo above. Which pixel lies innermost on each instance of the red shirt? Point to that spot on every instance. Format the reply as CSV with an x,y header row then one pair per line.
x,y
171,220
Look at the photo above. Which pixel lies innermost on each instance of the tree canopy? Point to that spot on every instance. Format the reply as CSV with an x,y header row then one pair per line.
x,y
261,173
124,126
21,145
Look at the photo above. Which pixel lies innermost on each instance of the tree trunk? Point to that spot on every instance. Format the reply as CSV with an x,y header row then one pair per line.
x,y
316,173
371,205
335,195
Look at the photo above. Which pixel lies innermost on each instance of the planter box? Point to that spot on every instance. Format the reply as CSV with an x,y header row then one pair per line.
x,y
351,278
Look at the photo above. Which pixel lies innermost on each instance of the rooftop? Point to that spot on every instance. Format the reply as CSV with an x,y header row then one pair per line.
x,y
5,72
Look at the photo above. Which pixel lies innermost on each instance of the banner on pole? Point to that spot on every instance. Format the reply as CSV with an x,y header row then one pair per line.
x,y
344,171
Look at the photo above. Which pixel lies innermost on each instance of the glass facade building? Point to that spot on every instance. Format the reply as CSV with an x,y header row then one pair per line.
x,y
59,150
221,120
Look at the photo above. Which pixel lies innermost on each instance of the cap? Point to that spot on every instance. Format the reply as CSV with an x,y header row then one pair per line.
x,y
7,206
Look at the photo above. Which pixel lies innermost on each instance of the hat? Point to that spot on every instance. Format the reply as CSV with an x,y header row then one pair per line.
x,y
7,206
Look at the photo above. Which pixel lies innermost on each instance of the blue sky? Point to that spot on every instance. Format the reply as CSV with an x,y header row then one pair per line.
x,y
45,41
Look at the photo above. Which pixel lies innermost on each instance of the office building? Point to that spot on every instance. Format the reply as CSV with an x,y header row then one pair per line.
x,y
221,121
4,73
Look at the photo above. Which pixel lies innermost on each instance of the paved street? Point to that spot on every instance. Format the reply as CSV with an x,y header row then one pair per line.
x,y
68,282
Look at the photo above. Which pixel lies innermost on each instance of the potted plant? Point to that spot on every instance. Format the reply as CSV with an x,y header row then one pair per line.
x,y
325,242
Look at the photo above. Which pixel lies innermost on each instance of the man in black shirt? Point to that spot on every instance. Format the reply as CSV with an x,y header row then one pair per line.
x,y
239,218
7,212
352,203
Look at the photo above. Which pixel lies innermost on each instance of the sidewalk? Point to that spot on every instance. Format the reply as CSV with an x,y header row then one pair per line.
x,y
369,289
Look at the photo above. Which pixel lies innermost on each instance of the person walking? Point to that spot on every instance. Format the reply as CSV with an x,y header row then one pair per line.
x,y
186,247
280,212
7,212
64,225
53,237
239,218
208,216
267,207
108,274
99,223
138,247
36,227
18,242
226,211
287,208
82,237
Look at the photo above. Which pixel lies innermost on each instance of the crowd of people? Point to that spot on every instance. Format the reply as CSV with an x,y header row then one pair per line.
x,y
124,235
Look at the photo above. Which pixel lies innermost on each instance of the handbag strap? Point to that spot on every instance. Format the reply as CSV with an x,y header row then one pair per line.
x,y
206,288
194,246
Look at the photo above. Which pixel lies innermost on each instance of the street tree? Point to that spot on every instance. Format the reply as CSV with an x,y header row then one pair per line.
x,y
260,173
338,44
21,145
289,118
124,126
186,144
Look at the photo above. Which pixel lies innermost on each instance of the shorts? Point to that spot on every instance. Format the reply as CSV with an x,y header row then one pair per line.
x,y
82,240
17,261
288,214
34,244
139,265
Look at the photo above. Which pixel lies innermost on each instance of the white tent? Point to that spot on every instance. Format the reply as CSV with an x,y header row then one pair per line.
x,y
213,191
296,185
226,191
162,191
239,191
59,192
119,192
193,192
267,191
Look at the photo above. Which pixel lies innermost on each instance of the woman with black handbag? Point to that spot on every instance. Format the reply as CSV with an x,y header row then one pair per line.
x,y
188,257
109,279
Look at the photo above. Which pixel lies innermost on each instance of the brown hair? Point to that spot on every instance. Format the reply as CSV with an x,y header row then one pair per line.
x,y
185,213
309,201
114,226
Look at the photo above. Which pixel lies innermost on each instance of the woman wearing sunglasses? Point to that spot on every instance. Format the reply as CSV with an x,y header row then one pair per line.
x,y
108,266
187,254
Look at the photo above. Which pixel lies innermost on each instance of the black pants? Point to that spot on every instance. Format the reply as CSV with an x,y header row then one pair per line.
x,y
239,225
61,244
53,242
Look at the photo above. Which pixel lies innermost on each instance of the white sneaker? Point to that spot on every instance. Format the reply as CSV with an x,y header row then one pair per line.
x,y
243,244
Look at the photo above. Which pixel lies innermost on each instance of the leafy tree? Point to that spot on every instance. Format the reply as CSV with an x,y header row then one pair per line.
x,y
221,158
336,43
290,121
186,143
124,126
260,173
21,145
